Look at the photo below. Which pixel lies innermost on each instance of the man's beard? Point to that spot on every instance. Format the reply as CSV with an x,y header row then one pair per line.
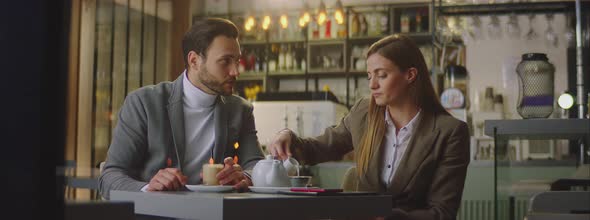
x,y
211,84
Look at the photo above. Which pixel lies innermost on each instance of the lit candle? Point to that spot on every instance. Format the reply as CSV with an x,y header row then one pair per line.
x,y
210,171
236,145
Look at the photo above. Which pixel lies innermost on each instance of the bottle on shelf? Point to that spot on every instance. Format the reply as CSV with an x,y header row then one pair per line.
x,y
288,58
314,31
303,65
363,25
261,60
256,65
281,57
373,24
322,30
251,60
419,21
328,28
295,61
272,58
242,65
354,25
404,22
339,30
384,21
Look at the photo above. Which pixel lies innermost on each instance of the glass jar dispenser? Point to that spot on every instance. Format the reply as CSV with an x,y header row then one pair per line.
x,y
535,86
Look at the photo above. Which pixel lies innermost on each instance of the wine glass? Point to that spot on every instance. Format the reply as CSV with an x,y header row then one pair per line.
x,y
570,33
476,30
512,27
494,29
444,33
550,35
531,34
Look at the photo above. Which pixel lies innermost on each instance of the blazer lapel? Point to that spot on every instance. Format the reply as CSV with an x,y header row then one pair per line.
x,y
371,181
221,126
419,147
176,116
373,174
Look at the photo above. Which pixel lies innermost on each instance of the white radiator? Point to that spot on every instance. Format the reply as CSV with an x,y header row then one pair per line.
x,y
484,209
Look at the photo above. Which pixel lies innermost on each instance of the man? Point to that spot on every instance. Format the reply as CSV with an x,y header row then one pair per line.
x,y
166,132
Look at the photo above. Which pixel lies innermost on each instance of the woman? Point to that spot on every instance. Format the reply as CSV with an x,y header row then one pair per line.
x,y
405,143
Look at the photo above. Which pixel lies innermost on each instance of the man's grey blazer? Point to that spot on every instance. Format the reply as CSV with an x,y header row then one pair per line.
x,y
150,129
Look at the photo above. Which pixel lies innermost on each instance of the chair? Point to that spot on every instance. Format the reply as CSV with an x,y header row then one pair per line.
x,y
580,181
572,205
85,181
69,171
350,180
101,169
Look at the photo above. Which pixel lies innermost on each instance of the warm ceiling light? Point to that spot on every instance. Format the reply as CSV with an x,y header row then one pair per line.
x,y
266,22
305,17
284,21
250,23
301,22
339,13
322,14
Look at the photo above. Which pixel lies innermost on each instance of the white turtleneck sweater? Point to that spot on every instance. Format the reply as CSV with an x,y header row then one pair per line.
x,y
199,128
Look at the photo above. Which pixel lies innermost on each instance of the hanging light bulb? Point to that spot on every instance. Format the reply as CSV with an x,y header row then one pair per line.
x,y
305,18
322,14
302,22
305,13
339,13
284,21
250,23
266,22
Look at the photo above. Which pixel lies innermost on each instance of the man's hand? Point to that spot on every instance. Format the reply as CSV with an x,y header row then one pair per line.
x,y
232,174
169,179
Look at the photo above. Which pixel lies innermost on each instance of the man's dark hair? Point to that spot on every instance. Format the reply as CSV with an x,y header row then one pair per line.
x,y
202,33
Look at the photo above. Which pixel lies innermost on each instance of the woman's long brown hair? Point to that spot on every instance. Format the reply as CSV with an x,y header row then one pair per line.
x,y
403,52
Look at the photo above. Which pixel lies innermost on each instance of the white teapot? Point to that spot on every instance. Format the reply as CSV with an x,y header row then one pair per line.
x,y
270,173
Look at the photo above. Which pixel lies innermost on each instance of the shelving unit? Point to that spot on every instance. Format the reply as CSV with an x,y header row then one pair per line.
x,y
505,8
336,51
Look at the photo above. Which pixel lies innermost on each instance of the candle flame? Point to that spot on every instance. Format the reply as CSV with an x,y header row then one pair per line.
x,y
211,160
236,145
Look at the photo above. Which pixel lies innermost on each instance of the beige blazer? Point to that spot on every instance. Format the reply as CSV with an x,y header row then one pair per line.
x,y
428,183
